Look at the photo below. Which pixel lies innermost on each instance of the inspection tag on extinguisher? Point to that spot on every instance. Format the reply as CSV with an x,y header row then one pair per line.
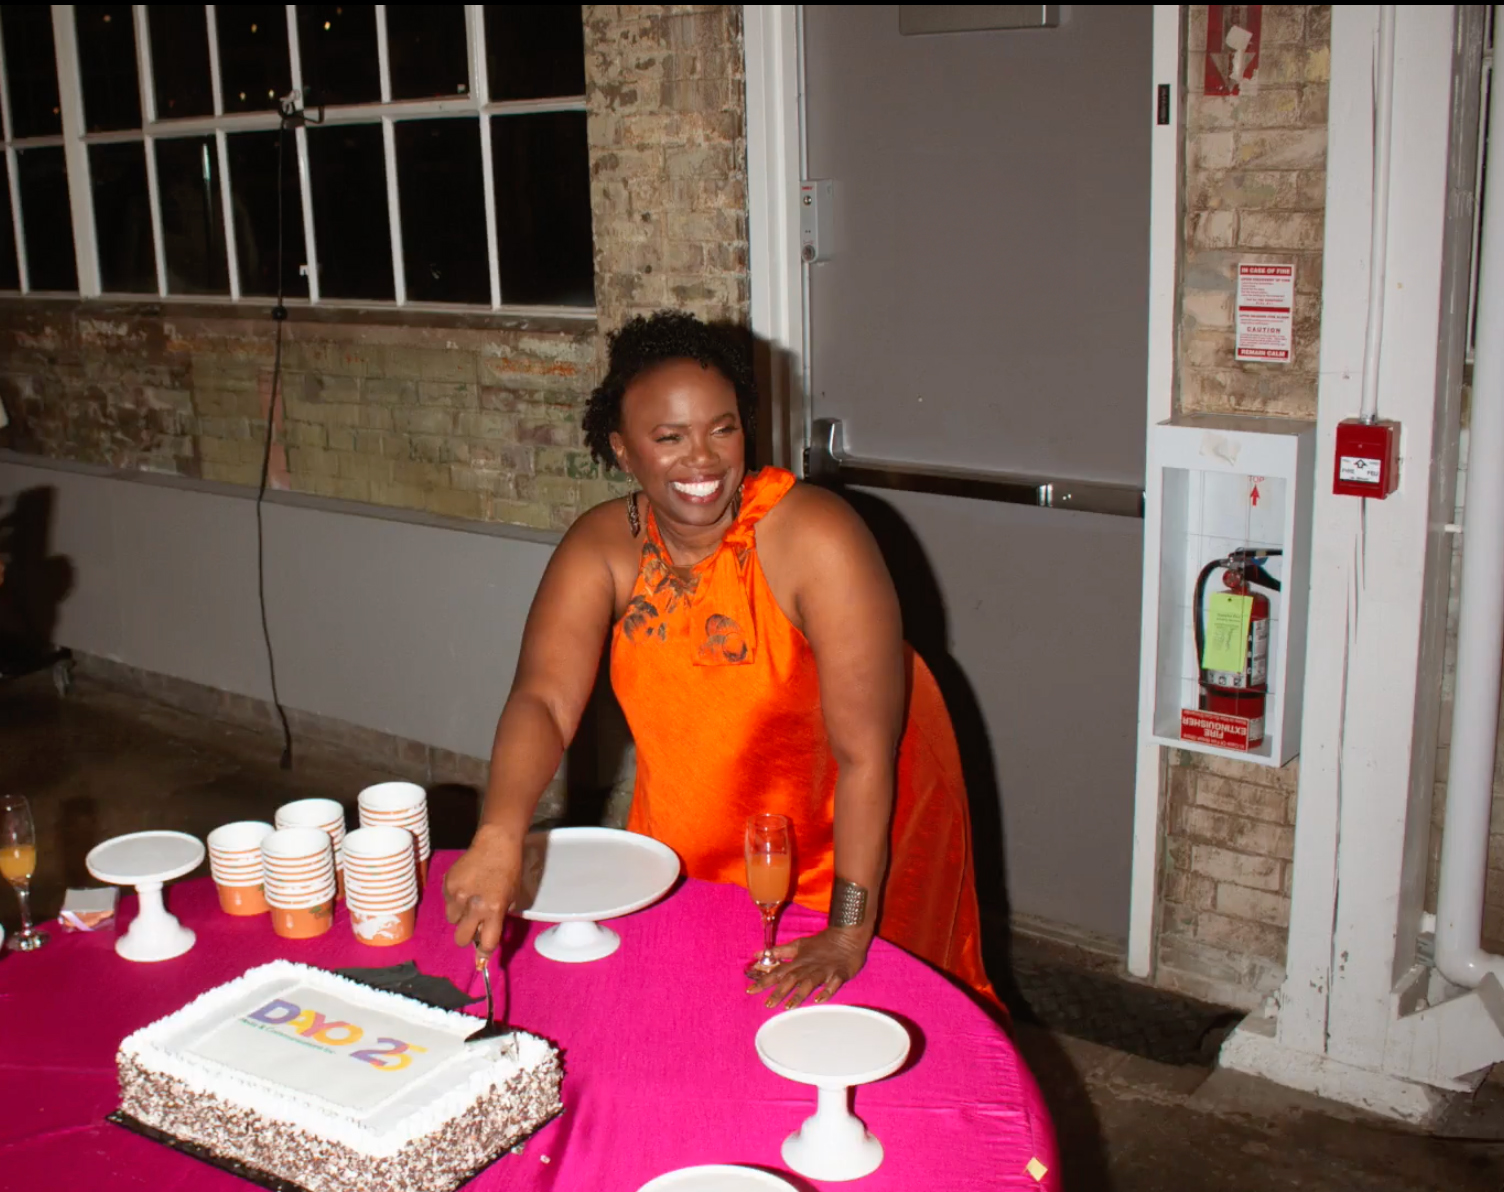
x,y
1227,617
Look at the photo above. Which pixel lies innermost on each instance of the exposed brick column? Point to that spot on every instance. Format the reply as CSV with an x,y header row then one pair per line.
x,y
1255,189
668,159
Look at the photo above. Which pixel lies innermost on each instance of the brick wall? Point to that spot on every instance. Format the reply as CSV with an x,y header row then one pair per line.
x,y
1255,187
472,417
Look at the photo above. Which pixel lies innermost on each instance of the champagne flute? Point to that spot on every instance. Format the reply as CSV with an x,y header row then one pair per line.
x,y
770,870
18,861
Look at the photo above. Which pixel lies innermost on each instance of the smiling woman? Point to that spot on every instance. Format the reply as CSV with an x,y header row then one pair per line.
x,y
757,652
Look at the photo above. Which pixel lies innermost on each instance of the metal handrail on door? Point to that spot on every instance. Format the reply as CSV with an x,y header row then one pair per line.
x,y
825,459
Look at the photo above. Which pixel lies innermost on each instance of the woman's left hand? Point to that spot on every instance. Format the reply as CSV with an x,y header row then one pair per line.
x,y
817,964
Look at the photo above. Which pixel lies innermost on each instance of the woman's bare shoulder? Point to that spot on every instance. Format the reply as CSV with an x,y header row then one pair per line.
x,y
603,535
810,516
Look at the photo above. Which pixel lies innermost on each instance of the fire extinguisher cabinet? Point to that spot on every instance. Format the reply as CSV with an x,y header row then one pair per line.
x,y
1227,494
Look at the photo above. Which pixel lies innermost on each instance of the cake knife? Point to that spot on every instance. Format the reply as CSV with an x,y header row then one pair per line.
x,y
492,1029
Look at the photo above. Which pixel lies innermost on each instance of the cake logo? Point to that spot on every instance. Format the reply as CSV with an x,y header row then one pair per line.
x,y
389,1055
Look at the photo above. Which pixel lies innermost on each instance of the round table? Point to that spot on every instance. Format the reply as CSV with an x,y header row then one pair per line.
x,y
660,1067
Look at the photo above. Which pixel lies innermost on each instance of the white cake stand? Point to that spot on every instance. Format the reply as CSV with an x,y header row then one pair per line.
x,y
717,1178
833,1048
146,860
575,877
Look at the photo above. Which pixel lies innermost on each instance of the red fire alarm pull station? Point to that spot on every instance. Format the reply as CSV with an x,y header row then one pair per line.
x,y
1368,458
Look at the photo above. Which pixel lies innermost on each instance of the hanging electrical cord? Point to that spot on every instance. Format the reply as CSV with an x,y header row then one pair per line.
x,y
291,115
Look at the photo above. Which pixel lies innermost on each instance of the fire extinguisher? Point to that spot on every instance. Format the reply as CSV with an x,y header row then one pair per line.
x,y
1239,693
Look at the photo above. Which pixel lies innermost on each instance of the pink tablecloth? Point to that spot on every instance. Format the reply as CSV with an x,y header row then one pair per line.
x,y
660,1069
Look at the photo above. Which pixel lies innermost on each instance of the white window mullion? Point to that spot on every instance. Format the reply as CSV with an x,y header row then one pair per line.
x,y
13,182
148,118
232,258
221,151
75,152
480,91
300,141
211,27
389,145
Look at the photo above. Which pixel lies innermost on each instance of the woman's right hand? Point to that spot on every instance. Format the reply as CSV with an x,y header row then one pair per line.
x,y
480,886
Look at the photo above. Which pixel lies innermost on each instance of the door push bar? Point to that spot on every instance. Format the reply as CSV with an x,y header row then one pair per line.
x,y
825,460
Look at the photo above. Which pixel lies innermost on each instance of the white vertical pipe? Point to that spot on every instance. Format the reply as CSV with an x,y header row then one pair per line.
x,y
1480,621
1383,121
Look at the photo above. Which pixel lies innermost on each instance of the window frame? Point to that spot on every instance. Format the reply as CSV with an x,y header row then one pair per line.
x,y
75,141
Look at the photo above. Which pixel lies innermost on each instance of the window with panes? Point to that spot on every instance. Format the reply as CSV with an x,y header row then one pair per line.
x,y
436,155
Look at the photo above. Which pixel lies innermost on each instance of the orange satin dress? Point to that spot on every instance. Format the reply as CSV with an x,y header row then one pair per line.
x,y
721,693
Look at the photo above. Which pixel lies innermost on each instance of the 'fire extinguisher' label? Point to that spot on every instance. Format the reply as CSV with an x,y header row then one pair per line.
x,y
1215,728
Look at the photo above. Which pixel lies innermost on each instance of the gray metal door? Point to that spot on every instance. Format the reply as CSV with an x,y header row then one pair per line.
x,y
984,310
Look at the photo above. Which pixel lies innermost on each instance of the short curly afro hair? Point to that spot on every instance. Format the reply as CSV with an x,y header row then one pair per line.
x,y
646,342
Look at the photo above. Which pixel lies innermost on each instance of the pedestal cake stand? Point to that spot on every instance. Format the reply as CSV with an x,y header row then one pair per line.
x,y
146,860
576,877
718,1178
833,1048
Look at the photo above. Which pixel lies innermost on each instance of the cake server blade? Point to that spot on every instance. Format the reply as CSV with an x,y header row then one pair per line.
x,y
492,1029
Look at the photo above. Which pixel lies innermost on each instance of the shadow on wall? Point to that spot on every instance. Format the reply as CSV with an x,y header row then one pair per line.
x,y
1083,1152
35,583
925,628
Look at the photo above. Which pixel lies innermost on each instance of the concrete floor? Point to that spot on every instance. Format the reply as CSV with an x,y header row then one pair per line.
x,y
103,762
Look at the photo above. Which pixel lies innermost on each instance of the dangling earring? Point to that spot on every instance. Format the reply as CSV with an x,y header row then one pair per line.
x,y
634,519
736,504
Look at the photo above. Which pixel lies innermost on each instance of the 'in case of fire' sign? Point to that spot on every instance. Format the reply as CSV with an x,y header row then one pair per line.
x,y
1266,301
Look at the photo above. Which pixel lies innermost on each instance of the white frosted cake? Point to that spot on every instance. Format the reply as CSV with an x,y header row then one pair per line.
x,y
334,1085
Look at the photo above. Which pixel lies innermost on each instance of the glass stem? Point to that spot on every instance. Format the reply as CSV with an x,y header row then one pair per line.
x,y
23,895
769,928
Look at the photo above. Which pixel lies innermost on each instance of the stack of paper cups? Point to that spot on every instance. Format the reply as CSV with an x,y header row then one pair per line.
x,y
299,881
381,884
326,815
399,805
235,862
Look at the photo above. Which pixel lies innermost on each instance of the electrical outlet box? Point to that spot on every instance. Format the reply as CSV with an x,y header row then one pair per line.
x,y
1368,458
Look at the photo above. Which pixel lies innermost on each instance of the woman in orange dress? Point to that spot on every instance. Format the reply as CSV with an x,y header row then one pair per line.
x,y
758,654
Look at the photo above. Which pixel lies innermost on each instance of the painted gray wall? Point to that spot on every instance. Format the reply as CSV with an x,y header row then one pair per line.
x,y
402,623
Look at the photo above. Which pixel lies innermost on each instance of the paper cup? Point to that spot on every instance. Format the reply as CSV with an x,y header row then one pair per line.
x,y
387,797
395,902
235,864
310,813
386,908
288,893
242,900
237,875
304,922
296,844
239,837
382,929
377,843
399,804
325,815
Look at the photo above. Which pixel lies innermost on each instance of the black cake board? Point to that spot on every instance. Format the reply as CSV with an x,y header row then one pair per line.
x,y
265,1179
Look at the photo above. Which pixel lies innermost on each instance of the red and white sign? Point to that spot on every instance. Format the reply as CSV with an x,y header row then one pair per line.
x,y
1217,728
1265,316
